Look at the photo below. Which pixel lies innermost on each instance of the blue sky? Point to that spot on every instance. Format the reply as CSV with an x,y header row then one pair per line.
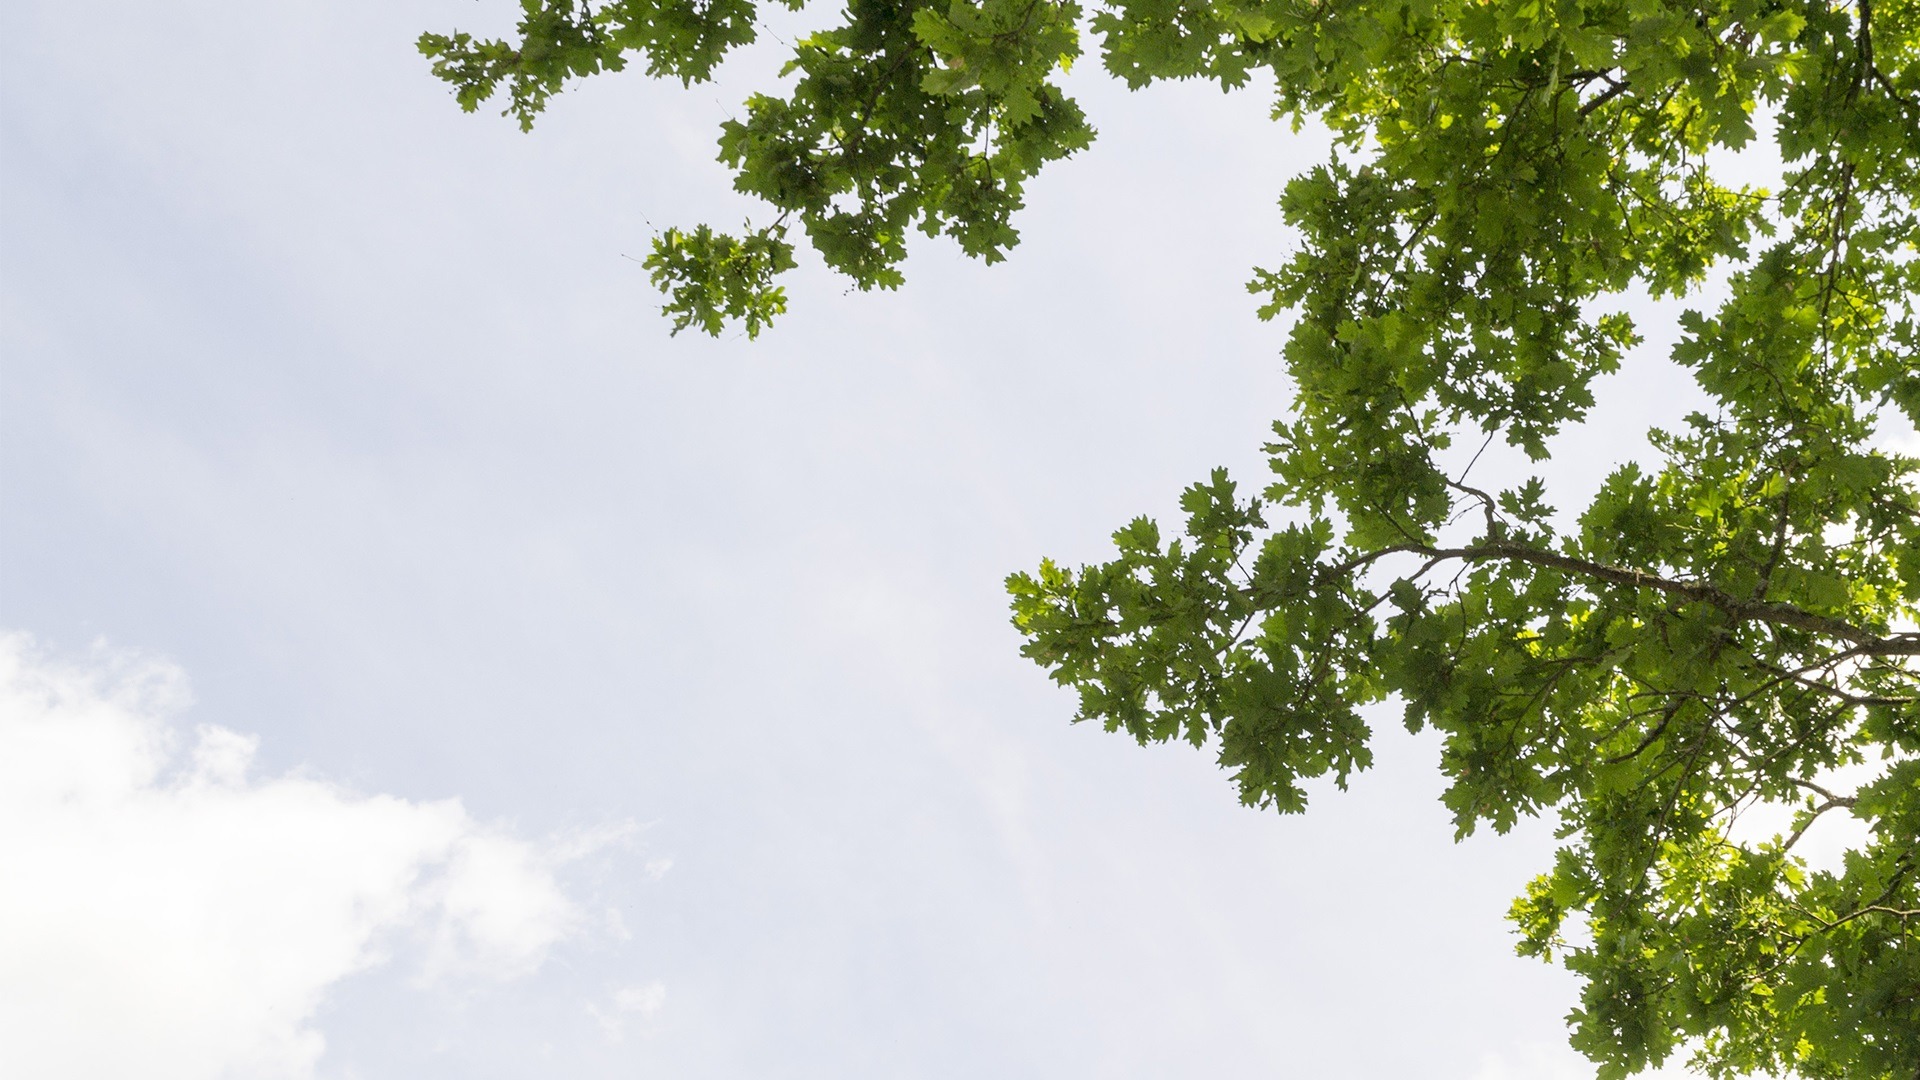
x,y
358,503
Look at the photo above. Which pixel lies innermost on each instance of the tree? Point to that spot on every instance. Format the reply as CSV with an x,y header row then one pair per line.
x,y
1723,630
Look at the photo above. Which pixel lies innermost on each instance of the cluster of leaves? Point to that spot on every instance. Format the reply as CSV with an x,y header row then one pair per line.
x,y
1726,628
713,279
905,116
566,39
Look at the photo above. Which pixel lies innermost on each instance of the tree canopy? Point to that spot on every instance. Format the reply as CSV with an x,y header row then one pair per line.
x,y
1725,627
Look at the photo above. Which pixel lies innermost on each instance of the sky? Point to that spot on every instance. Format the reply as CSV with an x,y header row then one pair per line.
x,y
419,664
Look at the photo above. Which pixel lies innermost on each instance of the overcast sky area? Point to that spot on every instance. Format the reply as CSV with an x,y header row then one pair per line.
x,y
422,666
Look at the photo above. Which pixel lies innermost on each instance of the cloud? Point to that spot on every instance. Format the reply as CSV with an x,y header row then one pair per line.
x,y
165,914
626,1002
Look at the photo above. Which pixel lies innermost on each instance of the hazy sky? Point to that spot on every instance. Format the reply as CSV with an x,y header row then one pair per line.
x,y
424,667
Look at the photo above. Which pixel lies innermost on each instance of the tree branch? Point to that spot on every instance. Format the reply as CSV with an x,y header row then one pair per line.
x,y
1865,642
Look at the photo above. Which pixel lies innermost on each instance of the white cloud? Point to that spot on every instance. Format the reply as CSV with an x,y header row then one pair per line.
x,y
166,915
625,1003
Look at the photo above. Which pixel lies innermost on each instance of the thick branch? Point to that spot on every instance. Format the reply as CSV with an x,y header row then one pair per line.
x,y
1864,642
1613,90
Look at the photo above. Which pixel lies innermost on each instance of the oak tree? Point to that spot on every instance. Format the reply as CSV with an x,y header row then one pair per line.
x,y
1725,627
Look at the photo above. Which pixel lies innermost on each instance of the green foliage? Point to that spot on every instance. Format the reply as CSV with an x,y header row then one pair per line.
x,y
1723,629
563,39
713,277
